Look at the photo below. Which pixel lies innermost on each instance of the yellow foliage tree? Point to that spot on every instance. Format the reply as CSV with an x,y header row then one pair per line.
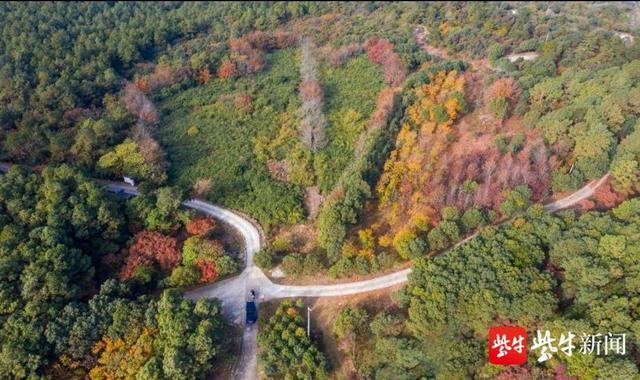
x,y
420,142
122,358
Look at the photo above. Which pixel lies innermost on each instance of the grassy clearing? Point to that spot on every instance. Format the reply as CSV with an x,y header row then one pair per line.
x,y
210,131
350,97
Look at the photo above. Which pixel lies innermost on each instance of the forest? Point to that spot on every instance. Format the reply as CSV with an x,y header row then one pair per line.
x,y
560,273
68,313
361,138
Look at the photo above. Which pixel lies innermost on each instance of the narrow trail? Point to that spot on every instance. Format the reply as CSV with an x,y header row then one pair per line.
x,y
233,292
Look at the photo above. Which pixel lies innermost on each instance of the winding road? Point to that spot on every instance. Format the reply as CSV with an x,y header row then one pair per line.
x,y
232,292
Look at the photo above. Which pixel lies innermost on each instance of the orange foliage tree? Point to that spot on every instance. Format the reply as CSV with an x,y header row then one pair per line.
x,y
503,88
200,225
227,69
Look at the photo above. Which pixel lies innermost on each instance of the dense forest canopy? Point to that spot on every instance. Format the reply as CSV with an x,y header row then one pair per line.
x,y
60,60
61,316
559,273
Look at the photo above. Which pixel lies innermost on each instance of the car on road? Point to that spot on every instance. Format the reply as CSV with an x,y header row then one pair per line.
x,y
252,312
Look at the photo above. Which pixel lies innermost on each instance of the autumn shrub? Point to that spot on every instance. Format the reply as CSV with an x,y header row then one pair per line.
x,y
381,51
150,248
209,257
200,225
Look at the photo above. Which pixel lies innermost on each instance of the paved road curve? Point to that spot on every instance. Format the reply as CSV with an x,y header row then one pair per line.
x,y
232,292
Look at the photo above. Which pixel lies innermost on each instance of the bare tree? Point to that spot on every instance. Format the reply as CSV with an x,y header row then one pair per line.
x,y
314,123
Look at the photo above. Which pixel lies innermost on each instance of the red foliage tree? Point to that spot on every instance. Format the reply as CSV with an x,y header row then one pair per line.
x,y
200,225
606,197
253,63
384,107
148,113
240,46
278,169
142,84
207,268
149,248
378,50
381,52
162,76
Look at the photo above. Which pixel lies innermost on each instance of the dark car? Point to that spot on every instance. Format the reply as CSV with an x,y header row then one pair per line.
x,y
252,312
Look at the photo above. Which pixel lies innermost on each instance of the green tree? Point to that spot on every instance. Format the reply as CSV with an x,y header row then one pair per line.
x,y
264,258
286,352
472,219
516,201
293,264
